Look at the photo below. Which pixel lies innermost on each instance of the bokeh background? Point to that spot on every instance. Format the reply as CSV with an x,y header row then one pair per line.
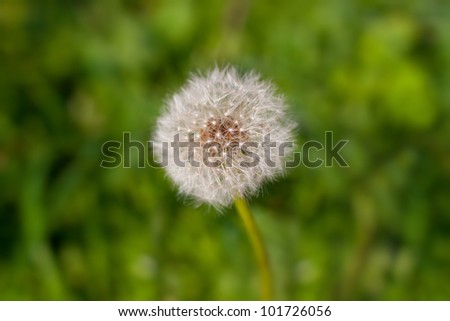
x,y
75,74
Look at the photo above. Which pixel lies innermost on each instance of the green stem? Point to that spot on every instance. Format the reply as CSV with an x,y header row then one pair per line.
x,y
258,247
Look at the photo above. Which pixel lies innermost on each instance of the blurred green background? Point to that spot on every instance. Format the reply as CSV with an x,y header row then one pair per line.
x,y
74,74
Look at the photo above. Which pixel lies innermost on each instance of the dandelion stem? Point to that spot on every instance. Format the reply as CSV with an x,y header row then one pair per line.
x,y
258,248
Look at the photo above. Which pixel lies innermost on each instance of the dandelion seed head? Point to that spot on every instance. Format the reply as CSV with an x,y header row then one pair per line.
x,y
225,110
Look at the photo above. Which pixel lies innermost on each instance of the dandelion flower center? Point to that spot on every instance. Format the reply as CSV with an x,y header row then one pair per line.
x,y
221,133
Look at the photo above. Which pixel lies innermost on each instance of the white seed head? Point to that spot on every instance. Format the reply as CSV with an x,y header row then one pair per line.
x,y
224,109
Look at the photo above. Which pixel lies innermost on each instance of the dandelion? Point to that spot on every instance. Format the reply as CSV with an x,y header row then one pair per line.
x,y
228,118
222,112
